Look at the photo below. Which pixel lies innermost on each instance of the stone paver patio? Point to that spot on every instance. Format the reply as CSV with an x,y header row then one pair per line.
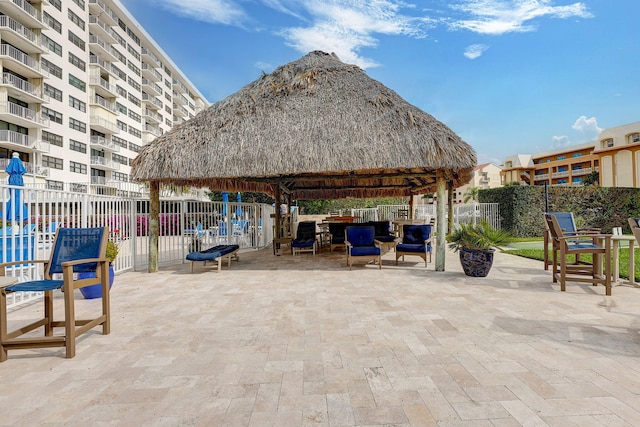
x,y
284,341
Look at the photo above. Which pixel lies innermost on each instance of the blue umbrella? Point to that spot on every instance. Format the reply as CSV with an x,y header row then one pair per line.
x,y
238,208
225,200
16,211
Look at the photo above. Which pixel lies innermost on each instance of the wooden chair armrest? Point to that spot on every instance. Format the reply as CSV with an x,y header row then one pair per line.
x,y
27,261
84,261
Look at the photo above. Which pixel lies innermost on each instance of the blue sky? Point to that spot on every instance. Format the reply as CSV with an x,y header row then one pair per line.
x,y
508,76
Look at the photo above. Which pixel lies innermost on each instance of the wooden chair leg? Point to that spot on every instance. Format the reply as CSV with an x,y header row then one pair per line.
x,y
3,324
69,315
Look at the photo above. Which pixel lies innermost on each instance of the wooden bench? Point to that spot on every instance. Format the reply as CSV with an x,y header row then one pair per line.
x,y
217,253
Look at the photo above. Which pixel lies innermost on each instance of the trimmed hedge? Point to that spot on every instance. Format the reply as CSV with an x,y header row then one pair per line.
x,y
522,207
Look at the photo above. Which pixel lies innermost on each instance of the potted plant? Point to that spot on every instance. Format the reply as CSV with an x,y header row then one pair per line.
x,y
95,291
475,243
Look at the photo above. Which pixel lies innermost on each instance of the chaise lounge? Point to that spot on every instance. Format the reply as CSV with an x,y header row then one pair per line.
x,y
217,253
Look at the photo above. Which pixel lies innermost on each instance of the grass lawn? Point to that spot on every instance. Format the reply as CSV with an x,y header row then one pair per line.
x,y
624,258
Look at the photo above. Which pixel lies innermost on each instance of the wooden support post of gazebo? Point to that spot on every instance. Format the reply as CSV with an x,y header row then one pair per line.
x,y
441,224
154,228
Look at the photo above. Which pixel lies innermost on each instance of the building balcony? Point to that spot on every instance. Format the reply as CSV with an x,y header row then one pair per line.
x,y
41,146
98,61
102,143
180,99
178,120
101,48
151,88
23,90
150,58
98,8
19,36
180,111
23,11
103,87
22,116
152,129
14,140
102,181
179,87
107,105
152,102
100,28
580,172
21,63
562,174
151,73
541,177
32,169
98,162
151,116
103,125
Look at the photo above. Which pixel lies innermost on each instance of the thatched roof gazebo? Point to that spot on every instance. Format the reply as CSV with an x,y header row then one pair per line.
x,y
315,128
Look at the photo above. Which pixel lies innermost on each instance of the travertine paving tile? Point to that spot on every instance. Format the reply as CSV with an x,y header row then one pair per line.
x,y
284,341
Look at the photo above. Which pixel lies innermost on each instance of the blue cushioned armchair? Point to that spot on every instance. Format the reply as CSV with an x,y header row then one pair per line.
x,y
416,240
360,241
336,234
305,240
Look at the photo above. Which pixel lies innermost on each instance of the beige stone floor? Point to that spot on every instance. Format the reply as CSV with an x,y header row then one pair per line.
x,y
284,341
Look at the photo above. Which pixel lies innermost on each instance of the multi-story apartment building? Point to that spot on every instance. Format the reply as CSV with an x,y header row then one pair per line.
x,y
615,156
486,175
84,87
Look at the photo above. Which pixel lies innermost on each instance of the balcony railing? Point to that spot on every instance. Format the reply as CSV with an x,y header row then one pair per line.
x,y
16,138
96,60
23,85
104,103
107,12
103,142
152,99
148,68
99,81
153,86
102,122
580,172
541,177
23,58
152,114
30,167
102,161
15,26
29,9
94,20
560,174
180,110
146,52
22,112
155,130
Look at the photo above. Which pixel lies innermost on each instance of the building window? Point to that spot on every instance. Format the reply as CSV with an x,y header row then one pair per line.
x,y
607,143
52,162
133,52
134,84
53,92
55,185
118,72
77,62
119,159
76,82
576,155
634,137
119,55
119,176
135,38
119,141
561,157
76,40
52,138
134,147
77,125
121,91
77,104
80,3
53,23
77,146
135,116
133,68
78,167
121,41
134,100
121,108
57,4
121,125
75,19
51,46
53,115
135,132
53,69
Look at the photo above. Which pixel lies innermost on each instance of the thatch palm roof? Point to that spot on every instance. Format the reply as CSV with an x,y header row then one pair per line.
x,y
317,128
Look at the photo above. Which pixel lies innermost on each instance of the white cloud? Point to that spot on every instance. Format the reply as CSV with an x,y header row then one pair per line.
x,y
346,27
215,11
560,141
264,66
588,126
475,50
497,17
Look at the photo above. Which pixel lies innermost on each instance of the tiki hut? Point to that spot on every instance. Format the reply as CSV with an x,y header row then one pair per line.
x,y
315,128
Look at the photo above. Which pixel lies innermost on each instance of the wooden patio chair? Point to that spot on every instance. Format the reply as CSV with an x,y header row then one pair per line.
x,y
568,225
74,250
598,245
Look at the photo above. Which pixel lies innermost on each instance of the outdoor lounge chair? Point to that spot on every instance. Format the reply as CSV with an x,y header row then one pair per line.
x,y
568,225
576,243
305,240
416,240
74,250
336,234
361,244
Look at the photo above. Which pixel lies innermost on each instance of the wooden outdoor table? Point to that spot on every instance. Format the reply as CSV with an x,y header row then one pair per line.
x,y
616,257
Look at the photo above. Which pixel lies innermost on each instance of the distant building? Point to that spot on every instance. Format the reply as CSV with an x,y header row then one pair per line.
x,y
486,175
615,156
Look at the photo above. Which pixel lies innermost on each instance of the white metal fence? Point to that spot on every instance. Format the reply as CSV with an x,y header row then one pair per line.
x,y
185,225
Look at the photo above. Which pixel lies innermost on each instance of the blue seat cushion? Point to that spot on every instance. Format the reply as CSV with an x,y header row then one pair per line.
x,y
212,253
302,243
365,250
584,246
36,286
410,247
